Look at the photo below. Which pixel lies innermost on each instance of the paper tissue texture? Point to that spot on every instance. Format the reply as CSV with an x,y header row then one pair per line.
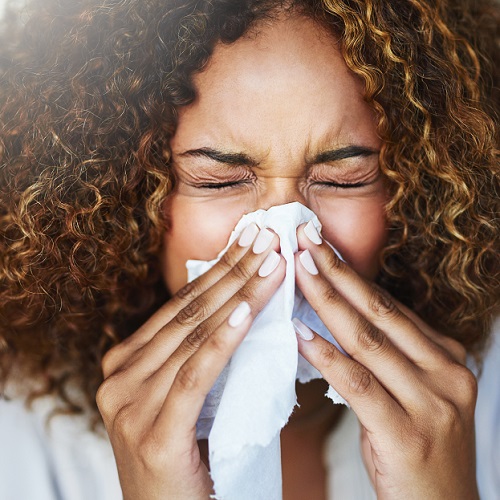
x,y
255,394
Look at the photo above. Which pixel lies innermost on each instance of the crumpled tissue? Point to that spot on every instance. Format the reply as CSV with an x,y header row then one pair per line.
x,y
255,394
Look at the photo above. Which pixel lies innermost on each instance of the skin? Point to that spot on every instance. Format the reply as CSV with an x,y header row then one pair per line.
x,y
282,98
244,106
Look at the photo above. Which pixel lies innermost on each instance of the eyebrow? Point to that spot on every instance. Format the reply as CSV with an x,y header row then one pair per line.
x,y
229,158
342,154
234,158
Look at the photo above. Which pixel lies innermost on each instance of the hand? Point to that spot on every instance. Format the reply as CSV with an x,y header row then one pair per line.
x,y
156,380
407,384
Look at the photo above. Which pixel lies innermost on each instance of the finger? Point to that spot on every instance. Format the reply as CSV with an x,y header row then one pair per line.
x,y
256,293
195,322
360,338
157,363
373,405
242,249
376,305
128,391
156,382
451,347
192,304
177,418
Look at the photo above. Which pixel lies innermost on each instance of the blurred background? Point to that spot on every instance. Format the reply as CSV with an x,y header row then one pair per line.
x,y
3,3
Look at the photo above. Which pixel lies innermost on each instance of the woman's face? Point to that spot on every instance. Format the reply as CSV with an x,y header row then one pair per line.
x,y
278,118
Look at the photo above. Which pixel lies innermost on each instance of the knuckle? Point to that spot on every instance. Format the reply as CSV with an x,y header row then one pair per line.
x,y
360,380
460,351
125,423
456,349
197,336
187,378
470,384
219,343
246,293
188,291
108,362
447,416
105,397
112,360
382,305
241,272
333,261
331,295
192,313
227,261
370,338
329,356
466,386
153,453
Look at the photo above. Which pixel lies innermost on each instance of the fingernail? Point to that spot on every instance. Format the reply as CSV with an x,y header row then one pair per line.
x,y
269,265
303,331
239,314
308,262
312,233
263,241
248,235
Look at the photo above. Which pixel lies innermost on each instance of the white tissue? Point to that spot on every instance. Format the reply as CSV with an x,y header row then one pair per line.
x,y
255,394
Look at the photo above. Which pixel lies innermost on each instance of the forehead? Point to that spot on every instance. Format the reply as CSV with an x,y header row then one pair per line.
x,y
287,75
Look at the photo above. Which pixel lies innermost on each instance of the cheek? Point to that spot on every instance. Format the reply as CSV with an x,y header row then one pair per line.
x,y
198,229
358,230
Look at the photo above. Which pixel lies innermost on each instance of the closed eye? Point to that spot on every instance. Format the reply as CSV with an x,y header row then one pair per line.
x,y
343,185
223,185
340,185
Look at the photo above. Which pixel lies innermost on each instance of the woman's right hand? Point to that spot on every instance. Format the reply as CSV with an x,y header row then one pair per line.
x,y
155,381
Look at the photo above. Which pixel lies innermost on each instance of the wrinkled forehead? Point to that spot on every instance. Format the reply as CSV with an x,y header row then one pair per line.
x,y
286,79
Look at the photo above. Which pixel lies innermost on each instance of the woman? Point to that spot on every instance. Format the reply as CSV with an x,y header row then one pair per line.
x,y
134,137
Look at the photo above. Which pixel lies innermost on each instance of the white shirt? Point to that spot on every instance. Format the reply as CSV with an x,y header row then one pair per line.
x,y
65,461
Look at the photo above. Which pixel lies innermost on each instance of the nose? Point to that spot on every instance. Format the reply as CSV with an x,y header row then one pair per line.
x,y
280,192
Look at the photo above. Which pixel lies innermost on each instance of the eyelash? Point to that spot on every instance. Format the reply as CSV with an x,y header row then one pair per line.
x,y
342,185
338,185
222,185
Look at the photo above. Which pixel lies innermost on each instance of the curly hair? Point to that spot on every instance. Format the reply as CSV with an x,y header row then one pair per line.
x,y
88,96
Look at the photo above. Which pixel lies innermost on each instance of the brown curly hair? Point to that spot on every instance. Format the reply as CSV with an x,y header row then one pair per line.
x,y
88,97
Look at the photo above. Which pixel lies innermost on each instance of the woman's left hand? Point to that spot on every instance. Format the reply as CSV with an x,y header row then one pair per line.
x,y
407,384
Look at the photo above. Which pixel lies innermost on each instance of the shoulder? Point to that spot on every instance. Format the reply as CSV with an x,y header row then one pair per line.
x,y
61,457
488,420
